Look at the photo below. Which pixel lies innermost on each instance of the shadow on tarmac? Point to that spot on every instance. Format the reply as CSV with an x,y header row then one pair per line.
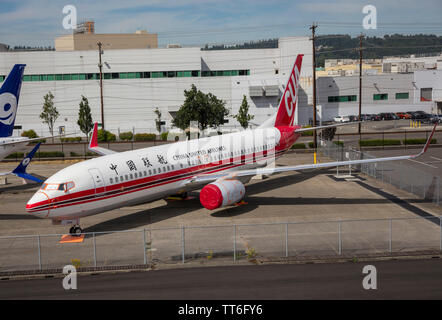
x,y
175,209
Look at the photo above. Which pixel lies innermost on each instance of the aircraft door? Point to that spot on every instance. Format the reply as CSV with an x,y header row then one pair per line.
x,y
98,179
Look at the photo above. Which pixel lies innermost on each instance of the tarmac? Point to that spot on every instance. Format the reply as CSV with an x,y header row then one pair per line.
x,y
296,214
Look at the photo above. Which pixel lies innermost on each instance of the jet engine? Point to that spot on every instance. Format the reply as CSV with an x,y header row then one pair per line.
x,y
221,193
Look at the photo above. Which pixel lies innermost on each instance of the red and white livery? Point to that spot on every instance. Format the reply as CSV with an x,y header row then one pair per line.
x,y
219,165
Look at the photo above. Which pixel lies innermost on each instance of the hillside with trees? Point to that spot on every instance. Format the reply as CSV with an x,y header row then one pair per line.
x,y
335,46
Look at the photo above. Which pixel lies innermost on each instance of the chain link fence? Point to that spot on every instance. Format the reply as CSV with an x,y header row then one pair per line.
x,y
233,243
397,173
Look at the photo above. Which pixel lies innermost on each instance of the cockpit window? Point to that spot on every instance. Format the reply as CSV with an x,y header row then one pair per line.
x,y
58,186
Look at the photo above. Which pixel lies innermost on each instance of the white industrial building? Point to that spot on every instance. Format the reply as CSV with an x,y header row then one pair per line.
x,y
137,81
388,92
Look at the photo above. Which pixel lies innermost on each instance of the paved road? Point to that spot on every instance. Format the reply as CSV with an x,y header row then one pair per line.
x,y
418,279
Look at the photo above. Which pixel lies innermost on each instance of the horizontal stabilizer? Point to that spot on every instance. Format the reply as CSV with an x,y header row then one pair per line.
x,y
20,171
93,144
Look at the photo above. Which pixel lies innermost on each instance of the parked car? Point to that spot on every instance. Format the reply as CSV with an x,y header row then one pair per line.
x,y
375,117
386,116
403,115
365,117
421,115
435,118
353,118
341,119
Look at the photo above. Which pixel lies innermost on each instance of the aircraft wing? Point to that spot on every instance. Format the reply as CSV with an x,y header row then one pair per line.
x,y
327,126
20,171
243,173
33,139
93,144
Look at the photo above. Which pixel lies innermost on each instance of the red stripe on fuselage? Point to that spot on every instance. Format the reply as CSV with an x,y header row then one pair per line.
x,y
226,164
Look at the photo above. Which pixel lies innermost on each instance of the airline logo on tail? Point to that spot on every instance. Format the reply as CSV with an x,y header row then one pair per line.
x,y
287,106
9,94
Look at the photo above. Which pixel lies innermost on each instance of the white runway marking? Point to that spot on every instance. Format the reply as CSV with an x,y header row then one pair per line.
x,y
436,158
425,164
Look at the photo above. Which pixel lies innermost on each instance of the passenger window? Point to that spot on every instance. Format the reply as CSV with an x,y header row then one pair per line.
x,y
131,176
111,180
145,173
154,171
127,177
150,173
116,179
61,187
136,175
168,168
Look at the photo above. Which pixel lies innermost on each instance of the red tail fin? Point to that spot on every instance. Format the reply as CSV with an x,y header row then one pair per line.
x,y
287,105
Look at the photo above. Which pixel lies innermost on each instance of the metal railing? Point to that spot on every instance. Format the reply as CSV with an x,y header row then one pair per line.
x,y
396,173
226,242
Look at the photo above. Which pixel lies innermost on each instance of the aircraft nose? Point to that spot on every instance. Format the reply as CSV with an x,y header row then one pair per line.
x,y
37,204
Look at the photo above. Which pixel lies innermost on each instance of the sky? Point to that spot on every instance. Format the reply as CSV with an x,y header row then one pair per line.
x,y
197,22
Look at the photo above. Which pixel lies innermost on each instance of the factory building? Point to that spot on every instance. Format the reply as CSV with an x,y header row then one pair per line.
x,y
388,92
137,81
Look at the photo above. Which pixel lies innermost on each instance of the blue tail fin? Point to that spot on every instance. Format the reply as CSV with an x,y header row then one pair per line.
x,y
20,171
9,94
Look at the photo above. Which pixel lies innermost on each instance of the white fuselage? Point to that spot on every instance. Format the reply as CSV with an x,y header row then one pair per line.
x,y
143,175
6,150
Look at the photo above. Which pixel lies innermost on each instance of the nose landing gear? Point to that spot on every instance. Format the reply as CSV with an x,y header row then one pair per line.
x,y
75,231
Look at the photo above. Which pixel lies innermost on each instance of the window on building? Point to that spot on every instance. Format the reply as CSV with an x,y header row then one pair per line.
x,y
426,94
342,98
380,96
402,95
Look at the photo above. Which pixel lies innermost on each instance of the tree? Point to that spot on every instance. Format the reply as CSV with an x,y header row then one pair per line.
x,y
50,113
84,117
243,116
207,109
158,120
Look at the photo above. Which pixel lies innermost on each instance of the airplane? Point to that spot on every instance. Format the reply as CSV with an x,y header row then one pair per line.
x,y
20,170
219,166
9,96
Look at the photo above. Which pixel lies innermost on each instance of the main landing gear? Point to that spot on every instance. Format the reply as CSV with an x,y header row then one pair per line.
x,y
75,231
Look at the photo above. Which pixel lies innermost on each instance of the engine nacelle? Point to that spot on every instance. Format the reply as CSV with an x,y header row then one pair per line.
x,y
221,193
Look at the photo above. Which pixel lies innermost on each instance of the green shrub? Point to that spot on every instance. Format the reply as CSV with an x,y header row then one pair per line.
x,y
71,139
339,143
145,137
379,142
126,136
307,133
15,155
50,154
37,141
164,136
298,146
105,136
311,145
31,134
418,141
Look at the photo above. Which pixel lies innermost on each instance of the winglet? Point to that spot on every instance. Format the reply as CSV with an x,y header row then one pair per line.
x,y
94,140
427,144
20,171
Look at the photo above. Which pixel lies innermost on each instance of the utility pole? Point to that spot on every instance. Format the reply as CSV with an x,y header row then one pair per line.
x,y
100,67
360,83
313,38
